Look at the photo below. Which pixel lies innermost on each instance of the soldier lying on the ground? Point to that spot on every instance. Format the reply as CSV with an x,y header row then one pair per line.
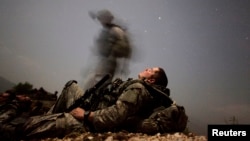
x,y
139,105
14,111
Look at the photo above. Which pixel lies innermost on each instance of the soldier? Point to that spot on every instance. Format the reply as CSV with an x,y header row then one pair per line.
x,y
112,47
13,113
131,106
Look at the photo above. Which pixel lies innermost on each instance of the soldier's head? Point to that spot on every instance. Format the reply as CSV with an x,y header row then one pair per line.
x,y
105,17
24,102
4,97
7,96
155,75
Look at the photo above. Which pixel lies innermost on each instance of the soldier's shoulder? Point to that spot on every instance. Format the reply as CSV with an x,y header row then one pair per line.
x,y
117,31
136,83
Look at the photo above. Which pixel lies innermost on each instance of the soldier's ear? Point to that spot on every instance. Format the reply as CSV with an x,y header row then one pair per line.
x,y
151,80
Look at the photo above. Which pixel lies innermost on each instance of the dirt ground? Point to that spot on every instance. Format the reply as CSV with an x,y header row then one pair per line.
x,y
123,136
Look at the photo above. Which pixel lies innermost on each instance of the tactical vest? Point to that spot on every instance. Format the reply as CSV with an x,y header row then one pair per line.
x,y
162,115
109,44
113,90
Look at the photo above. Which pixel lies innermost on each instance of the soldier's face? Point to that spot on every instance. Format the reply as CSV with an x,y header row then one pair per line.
x,y
103,21
3,97
148,73
23,98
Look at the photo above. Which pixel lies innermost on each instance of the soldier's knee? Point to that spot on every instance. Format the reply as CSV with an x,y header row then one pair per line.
x,y
69,83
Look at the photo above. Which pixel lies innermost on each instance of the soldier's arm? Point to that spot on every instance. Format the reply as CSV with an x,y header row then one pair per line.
x,y
116,34
127,104
9,112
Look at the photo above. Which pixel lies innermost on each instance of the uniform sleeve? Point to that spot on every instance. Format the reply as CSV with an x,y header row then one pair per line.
x,y
127,105
9,113
117,33
120,43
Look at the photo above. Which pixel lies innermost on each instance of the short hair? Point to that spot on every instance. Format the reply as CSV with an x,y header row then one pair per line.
x,y
161,77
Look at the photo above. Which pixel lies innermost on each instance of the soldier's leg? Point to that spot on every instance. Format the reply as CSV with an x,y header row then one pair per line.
x,y
52,125
70,93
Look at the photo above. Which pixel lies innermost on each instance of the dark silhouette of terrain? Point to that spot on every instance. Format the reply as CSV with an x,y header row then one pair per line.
x,y
5,84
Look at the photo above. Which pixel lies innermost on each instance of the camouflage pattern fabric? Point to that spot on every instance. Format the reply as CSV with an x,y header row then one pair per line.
x,y
113,41
12,115
12,130
56,123
9,111
131,103
70,93
112,46
7,132
52,125
121,46
105,119
165,120
135,110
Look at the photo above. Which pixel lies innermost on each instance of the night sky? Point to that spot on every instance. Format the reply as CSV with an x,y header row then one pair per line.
x,y
204,46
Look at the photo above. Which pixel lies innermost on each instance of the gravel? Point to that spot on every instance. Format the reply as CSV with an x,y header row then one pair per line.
x,y
124,136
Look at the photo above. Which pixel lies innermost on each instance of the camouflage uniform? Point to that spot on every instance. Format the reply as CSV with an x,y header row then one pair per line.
x,y
165,120
140,107
7,113
56,123
128,106
12,115
132,103
112,46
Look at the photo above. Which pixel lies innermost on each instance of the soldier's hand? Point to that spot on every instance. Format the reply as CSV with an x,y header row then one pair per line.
x,y
78,113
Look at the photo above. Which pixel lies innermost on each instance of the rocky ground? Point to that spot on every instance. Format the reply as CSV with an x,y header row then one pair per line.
x,y
123,136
